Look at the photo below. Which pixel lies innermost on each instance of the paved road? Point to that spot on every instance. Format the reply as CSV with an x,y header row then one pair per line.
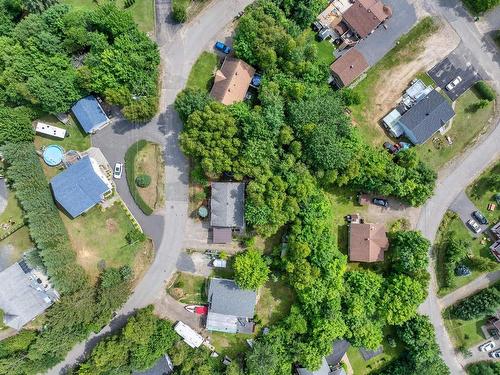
x,y
179,48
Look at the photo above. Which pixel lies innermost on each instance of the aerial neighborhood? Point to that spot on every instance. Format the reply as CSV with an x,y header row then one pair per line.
x,y
259,187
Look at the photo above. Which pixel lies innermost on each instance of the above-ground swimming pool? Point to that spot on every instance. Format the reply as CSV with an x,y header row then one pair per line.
x,y
53,155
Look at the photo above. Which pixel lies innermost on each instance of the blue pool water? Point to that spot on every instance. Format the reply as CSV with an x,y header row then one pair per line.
x,y
53,155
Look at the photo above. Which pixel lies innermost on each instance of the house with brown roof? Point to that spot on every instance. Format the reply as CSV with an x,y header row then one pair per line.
x,y
348,67
232,81
364,16
367,242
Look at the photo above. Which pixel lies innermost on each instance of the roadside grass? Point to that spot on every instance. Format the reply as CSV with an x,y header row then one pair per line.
x,y
130,173
77,139
230,344
2,325
362,367
202,73
464,333
149,161
425,78
407,48
466,127
142,11
187,288
482,192
452,223
274,303
325,48
98,238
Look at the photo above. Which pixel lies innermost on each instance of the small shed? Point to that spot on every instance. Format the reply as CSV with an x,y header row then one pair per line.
x,y
391,123
189,335
50,130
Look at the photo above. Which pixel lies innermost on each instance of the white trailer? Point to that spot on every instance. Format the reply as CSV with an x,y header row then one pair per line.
x,y
190,336
50,130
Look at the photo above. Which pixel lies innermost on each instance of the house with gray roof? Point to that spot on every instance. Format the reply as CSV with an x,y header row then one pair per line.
x,y
227,210
230,308
323,370
429,115
163,366
80,187
23,295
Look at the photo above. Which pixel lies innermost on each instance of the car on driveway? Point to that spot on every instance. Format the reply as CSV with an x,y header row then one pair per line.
x,y
480,217
219,46
392,148
487,346
380,202
450,86
117,172
474,226
495,354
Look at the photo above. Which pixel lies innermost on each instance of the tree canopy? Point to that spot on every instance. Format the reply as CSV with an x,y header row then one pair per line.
x,y
250,270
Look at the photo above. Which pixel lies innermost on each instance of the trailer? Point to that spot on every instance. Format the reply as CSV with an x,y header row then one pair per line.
x,y
50,130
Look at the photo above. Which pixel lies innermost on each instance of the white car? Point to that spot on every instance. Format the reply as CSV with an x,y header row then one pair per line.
x,y
487,346
117,173
452,84
495,354
474,226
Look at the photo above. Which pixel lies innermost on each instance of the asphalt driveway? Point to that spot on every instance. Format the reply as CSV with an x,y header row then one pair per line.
x,y
464,208
376,45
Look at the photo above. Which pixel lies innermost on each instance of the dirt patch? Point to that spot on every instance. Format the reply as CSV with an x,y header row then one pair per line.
x,y
396,210
111,226
392,84
149,161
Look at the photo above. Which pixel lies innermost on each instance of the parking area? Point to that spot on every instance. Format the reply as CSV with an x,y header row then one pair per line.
x,y
459,63
464,208
376,45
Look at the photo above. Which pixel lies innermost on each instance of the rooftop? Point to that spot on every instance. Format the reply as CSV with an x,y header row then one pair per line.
x,y
365,15
80,187
89,114
232,81
323,370
367,242
349,66
226,298
227,205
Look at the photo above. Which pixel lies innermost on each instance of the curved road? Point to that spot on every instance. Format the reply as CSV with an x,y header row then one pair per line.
x,y
179,48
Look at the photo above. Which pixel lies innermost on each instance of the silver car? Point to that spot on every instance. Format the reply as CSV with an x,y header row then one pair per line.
x,y
474,226
487,346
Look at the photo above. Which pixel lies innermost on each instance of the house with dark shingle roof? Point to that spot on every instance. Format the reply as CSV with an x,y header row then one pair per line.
x,y
90,114
364,16
426,117
367,242
80,187
227,210
348,67
230,308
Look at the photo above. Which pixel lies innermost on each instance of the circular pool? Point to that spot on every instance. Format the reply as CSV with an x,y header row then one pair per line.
x,y
53,155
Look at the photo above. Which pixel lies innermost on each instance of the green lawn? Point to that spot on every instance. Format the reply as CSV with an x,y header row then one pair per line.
x,y
230,344
325,48
12,216
362,367
77,139
465,333
201,75
482,192
188,289
274,302
142,11
452,223
409,47
467,125
99,236
20,242
425,78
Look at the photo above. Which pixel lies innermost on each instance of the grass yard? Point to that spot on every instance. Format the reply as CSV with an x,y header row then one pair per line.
x,y
187,288
142,11
452,223
149,161
274,302
77,139
12,215
467,125
202,73
13,247
409,47
98,238
464,333
325,48
482,192
425,78
230,344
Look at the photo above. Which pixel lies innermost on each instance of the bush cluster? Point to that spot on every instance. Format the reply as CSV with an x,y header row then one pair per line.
x,y
485,90
143,180
179,10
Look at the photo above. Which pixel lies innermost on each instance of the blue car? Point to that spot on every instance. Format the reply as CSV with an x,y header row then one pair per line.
x,y
219,46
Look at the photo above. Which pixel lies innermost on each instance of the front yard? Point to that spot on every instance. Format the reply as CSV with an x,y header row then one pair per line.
x,y
464,333
202,73
98,238
482,192
189,289
467,125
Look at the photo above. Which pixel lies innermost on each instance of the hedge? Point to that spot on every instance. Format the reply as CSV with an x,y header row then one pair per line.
x,y
485,91
130,172
179,10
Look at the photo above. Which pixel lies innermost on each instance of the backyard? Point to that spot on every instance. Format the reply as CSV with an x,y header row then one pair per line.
x,y
468,123
149,162
275,299
189,289
98,238
203,70
142,11
482,192
230,344
464,333
325,48
76,140
452,223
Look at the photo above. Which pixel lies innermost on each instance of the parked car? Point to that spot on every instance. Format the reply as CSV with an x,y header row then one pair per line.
x,y
495,354
487,346
117,173
474,226
219,46
454,83
462,270
392,148
380,202
480,217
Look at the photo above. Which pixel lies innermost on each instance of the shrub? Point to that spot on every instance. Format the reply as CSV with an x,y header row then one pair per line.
x,y
143,180
130,173
134,236
477,305
485,91
179,10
